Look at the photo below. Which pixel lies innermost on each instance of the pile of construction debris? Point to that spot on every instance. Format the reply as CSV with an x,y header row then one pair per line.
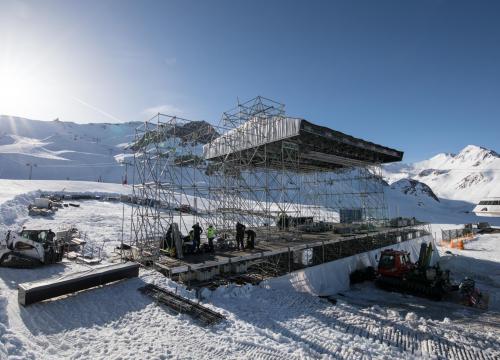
x,y
47,206
43,207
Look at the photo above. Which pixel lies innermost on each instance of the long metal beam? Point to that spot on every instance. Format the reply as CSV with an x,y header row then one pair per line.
x,y
29,293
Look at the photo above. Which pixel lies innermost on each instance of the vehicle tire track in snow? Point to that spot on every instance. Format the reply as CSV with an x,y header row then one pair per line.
x,y
433,343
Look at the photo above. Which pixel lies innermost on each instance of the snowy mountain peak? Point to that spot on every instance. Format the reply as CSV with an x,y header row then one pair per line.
x,y
442,157
470,175
471,155
475,154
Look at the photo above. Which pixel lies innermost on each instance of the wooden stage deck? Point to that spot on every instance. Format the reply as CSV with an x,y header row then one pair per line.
x,y
266,249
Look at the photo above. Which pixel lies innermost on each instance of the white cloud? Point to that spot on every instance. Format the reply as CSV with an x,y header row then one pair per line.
x,y
166,109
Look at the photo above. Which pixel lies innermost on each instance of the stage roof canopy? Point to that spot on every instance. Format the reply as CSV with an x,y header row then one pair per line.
x,y
318,147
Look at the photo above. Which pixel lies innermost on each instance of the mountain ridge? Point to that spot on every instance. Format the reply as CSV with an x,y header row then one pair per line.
x,y
470,175
52,150
67,150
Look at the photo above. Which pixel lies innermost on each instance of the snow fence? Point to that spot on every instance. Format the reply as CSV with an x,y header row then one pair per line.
x,y
333,277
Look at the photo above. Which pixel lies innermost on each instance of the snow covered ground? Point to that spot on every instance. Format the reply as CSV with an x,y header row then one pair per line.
x,y
118,322
12,188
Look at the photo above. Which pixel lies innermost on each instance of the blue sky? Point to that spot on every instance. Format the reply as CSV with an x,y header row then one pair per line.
x,y
421,76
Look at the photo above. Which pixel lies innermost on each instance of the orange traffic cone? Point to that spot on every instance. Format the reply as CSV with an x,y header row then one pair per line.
x,y
460,244
451,244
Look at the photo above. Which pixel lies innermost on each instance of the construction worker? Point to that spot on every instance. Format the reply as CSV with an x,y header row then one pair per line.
x,y
211,232
51,235
167,240
250,239
197,230
283,221
240,235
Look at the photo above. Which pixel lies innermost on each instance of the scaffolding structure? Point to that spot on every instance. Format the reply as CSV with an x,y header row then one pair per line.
x,y
276,174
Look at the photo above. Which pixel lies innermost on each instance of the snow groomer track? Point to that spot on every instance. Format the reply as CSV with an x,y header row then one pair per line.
x,y
344,331
409,336
455,344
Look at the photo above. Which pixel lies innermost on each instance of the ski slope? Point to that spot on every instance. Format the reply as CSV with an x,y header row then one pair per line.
x,y
64,150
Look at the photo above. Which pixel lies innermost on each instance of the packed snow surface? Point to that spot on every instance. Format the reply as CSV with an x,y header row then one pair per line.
x,y
11,188
118,322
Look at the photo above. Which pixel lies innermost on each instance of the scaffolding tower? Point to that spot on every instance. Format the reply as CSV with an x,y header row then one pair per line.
x,y
276,174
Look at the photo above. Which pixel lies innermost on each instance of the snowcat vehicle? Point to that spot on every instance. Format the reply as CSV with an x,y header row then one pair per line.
x,y
30,248
397,272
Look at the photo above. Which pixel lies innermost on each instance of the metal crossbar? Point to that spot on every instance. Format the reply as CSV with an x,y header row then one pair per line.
x,y
257,184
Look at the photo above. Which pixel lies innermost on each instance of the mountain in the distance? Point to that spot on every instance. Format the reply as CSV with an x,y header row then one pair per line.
x,y
470,175
63,150
196,132
414,188
57,150
53,150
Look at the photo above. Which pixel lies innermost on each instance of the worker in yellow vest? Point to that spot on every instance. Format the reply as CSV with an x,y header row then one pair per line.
x,y
211,232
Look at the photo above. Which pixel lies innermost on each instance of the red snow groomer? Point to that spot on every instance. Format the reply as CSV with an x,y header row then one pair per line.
x,y
396,272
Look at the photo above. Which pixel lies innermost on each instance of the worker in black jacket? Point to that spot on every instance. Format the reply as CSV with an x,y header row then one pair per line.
x,y
167,239
197,230
50,236
250,239
240,235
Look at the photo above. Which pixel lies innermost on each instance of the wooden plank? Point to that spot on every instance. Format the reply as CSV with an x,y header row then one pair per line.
x,y
29,293
268,249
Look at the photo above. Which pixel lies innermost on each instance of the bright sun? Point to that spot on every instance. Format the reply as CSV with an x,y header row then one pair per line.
x,y
12,83
14,88
24,89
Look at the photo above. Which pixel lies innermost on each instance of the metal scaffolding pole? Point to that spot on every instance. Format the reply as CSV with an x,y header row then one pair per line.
x,y
270,186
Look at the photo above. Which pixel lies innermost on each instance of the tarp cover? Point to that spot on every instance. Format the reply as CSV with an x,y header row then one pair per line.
x,y
333,277
255,132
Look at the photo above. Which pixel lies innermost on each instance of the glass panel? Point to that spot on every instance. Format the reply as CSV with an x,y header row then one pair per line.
x,y
387,261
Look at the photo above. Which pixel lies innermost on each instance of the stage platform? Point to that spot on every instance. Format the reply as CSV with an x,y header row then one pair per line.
x,y
288,253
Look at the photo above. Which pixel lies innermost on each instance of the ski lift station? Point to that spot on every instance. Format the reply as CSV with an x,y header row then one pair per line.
x,y
489,207
310,193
